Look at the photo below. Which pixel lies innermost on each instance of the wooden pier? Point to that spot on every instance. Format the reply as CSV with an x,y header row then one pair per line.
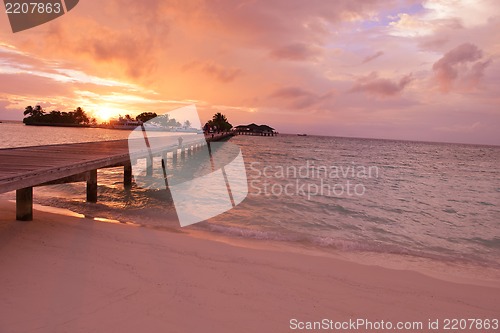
x,y
23,168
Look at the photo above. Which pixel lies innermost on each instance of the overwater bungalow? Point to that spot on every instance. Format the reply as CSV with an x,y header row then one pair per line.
x,y
254,129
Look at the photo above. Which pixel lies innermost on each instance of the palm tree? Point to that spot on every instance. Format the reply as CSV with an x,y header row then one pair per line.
x,y
34,112
219,118
146,116
28,110
80,116
38,111
221,122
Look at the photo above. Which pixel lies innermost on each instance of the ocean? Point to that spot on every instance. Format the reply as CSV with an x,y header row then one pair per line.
x,y
426,201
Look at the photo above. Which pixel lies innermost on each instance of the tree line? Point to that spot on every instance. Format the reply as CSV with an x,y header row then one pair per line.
x,y
218,122
37,115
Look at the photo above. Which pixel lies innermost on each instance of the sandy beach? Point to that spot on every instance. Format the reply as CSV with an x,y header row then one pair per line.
x,y
67,274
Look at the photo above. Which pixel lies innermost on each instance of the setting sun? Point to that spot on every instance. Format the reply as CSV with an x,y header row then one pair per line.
x,y
105,113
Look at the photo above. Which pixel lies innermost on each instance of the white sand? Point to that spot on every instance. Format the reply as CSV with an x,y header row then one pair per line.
x,y
65,274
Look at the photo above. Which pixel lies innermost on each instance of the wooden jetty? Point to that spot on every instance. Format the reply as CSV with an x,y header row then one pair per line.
x,y
23,168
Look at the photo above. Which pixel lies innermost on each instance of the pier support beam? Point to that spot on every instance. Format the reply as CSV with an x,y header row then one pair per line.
x,y
92,186
174,157
127,175
24,204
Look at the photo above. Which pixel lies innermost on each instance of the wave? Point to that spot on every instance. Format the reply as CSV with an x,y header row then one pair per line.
x,y
347,245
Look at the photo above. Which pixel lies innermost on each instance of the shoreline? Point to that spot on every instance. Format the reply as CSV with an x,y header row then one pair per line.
x,y
62,273
459,271
456,272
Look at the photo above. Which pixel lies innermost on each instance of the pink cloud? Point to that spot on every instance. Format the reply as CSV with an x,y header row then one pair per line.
x,y
296,51
216,71
381,87
271,22
299,98
453,66
372,57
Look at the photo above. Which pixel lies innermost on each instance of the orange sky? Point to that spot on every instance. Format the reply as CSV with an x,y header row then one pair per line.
x,y
418,70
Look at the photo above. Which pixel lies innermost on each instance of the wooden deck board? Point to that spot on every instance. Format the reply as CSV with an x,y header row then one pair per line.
x,y
29,166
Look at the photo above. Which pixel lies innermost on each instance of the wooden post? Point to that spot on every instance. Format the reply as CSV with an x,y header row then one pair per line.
x,y
189,150
24,204
149,166
183,154
92,186
174,157
127,175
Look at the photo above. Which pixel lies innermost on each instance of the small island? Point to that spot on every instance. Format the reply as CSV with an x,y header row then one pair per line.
x,y
36,116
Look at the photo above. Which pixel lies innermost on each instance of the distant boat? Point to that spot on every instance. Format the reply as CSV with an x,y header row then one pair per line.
x,y
303,134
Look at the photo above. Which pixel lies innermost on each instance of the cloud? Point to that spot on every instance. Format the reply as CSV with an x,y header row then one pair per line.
x,y
469,13
272,22
381,87
450,15
296,52
6,113
476,72
453,67
104,39
32,86
372,57
218,72
409,26
299,98
429,44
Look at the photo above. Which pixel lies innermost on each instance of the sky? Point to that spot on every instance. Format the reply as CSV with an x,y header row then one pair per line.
x,y
413,70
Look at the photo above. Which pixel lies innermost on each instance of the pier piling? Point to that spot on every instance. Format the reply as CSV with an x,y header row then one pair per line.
x,y
127,175
24,204
92,186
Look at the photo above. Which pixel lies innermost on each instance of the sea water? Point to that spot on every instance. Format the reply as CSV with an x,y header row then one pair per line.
x,y
436,201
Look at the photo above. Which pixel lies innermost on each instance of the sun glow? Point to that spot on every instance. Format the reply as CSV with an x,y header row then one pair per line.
x,y
105,113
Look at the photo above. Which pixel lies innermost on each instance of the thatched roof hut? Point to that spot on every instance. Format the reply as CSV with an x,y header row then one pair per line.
x,y
254,129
